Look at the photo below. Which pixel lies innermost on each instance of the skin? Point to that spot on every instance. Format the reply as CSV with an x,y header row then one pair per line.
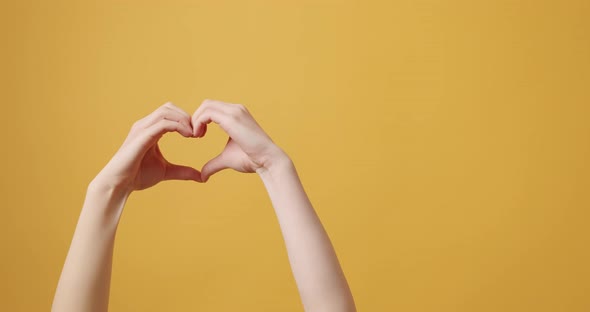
x,y
139,164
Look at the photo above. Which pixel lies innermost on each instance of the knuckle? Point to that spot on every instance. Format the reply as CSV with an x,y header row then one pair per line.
x,y
161,112
235,117
136,125
239,111
165,125
204,111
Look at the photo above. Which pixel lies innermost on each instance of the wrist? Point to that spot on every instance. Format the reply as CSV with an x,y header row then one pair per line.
x,y
108,187
275,164
103,205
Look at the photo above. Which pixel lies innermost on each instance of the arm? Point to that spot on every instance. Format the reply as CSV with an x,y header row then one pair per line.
x,y
138,164
320,280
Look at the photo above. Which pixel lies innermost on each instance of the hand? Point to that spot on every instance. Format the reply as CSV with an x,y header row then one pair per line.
x,y
248,149
139,163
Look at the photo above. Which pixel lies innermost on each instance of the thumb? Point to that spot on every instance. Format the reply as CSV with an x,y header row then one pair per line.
x,y
178,172
213,166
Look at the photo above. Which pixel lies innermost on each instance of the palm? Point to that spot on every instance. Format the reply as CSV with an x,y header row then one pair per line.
x,y
152,169
235,158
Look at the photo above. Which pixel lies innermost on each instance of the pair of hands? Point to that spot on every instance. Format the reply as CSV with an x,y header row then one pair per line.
x,y
139,163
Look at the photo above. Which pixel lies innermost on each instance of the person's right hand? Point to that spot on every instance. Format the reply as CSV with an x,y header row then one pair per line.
x,y
139,163
248,149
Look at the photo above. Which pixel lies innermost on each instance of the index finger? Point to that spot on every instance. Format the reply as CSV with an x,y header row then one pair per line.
x,y
199,127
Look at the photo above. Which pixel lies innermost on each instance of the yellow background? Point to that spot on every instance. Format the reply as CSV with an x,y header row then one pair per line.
x,y
444,144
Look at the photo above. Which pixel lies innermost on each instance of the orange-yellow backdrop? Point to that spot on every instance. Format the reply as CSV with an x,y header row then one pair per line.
x,y
445,145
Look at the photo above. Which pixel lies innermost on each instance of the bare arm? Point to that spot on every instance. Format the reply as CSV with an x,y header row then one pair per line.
x,y
320,280
139,164
86,276
85,279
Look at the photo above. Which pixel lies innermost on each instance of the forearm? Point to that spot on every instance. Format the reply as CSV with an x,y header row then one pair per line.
x,y
319,277
85,278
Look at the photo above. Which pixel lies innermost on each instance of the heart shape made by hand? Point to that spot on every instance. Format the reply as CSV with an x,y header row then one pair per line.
x,y
140,160
192,151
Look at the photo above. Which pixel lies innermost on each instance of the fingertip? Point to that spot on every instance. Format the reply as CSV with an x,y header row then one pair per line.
x,y
203,131
198,130
196,176
187,130
187,133
194,127
204,175
198,179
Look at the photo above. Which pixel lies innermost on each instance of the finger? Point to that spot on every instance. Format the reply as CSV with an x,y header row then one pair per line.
x,y
146,138
165,112
176,108
213,166
178,172
200,129
196,127
152,134
208,115
204,130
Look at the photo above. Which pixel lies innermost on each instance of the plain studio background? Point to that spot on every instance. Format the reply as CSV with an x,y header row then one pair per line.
x,y
445,145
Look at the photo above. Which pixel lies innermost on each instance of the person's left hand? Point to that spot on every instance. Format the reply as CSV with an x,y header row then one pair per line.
x,y
139,163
